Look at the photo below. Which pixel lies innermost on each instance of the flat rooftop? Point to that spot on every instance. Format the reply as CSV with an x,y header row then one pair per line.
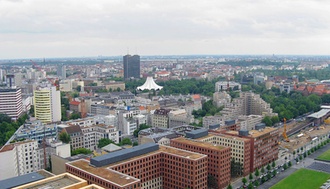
x,y
200,143
103,172
165,149
20,180
55,182
257,133
254,133
227,136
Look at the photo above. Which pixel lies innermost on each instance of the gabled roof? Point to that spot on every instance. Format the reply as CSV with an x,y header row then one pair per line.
x,y
73,129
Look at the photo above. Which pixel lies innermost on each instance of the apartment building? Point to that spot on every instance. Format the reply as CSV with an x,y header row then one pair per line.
x,y
160,118
221,99
11,102
27,156
255,105
76,135
144,166
47,104
18,159
92,135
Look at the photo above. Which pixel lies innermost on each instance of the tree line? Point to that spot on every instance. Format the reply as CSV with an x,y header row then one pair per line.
x,y
8,127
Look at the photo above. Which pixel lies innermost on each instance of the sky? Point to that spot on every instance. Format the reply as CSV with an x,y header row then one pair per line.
x,y
71,28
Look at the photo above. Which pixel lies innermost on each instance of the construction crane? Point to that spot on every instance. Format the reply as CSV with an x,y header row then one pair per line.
x,y
50,80
284,131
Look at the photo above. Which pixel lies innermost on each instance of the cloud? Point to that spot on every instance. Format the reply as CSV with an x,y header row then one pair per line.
x,y
46,28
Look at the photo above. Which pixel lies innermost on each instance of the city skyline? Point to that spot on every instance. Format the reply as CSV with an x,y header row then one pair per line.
x,y
82,28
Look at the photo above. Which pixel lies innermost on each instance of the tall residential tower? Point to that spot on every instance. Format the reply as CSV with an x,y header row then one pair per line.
x,y
47,104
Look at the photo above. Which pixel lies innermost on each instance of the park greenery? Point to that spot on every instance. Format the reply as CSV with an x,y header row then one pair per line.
x,y
8,127
303,178
325,156
208,109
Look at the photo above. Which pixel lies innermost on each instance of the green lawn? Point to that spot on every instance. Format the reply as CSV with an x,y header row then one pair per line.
x,y
303,179
324,156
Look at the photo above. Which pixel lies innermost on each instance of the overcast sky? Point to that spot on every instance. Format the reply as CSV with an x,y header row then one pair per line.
x,y
67,28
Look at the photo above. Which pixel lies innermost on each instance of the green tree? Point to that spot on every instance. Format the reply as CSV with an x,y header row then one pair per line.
x,y
250,186
75,116
256,173
236,168
65,137
81,151
273,164
31,111
4,118
244,180
135,143
289,164
141,127
275,119
103,142
250,177
256,184
78,88
229,186
267,120
125,141
268,167
262,170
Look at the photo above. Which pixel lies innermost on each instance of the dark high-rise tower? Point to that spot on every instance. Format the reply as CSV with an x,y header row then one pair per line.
x,y
131,66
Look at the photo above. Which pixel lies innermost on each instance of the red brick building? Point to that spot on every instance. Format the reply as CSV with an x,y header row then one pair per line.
x,y
218,166
264,145
141,167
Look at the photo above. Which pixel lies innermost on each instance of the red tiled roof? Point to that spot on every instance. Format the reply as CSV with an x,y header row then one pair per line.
x,y
75,103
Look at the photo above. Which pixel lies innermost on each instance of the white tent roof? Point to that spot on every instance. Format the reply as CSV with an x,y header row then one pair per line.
x,y
149,85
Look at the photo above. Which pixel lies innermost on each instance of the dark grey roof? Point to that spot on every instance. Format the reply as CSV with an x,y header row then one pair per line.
x,y
214,126
20,180
198,133
120,155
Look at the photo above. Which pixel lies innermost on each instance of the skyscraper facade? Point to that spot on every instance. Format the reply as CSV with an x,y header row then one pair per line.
x,y
131,66
61,71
